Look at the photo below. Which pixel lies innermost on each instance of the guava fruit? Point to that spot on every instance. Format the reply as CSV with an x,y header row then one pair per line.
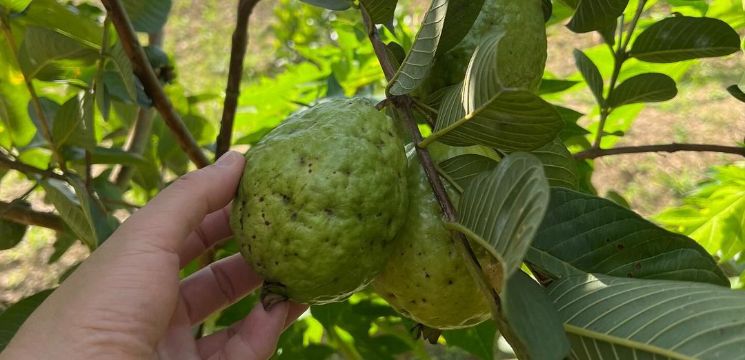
x,y
320,201
521,52
426,278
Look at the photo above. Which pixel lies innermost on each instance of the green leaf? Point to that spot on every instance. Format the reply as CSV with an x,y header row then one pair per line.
x,y
533,319
591,74
48,55
68,206
552,86
330,4
147,15
592,15
13,317
513,120
478,340
558,164
66,121
464,168
714,214
380,11
63,19
102,224
643,88
618,318
683,38
459,20
63,242
736,92
15,5
503,208
596,235
11,233
420,58
123,68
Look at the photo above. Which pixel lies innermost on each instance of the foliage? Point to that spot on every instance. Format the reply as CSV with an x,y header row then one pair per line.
x,y
580,275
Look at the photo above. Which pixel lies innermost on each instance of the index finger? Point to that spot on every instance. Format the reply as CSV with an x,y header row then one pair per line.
x,y
179,209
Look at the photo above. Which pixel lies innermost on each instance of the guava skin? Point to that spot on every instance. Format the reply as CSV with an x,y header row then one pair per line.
x,y
522,50
321,199
426,278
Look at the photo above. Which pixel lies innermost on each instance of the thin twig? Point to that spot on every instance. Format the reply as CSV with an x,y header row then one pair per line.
x,y
8,163
619,57
404,106
150,81
46,131
235,74
670,148
26,216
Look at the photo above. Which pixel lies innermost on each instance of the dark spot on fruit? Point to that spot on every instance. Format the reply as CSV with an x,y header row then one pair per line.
x,y
285,199
426,275
276,263
620,247
424,300
253,236
390,133
379,214
293,217
419,254
450,281
413,302
359,216
310,171
267,223
329,212
261,199
392,295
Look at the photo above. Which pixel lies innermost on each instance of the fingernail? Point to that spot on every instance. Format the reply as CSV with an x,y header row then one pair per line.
x,y
228,159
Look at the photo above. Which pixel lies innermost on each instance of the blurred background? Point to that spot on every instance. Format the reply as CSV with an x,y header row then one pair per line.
x,y
298,54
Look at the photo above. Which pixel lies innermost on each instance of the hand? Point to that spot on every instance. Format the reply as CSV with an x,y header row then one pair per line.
x,y
127,302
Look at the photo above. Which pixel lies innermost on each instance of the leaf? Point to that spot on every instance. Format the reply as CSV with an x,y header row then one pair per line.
x,y
533,319
596,235
591,74
464,168
643,88
420,58
103,224
513,120
63,242
683,38
478,340
72,214
146,15
15,6
552,86
503,208
714,213
380,11
558,164
594,15
736,92
66,121
123,68
618,318
13,317
460,18
330,4
49,55
11,233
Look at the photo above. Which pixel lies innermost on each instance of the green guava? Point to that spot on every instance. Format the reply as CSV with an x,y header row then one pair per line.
x,y
522,48
320,201
426,278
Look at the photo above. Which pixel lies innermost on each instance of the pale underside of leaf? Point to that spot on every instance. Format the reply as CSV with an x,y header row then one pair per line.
x,y
620,318
420,58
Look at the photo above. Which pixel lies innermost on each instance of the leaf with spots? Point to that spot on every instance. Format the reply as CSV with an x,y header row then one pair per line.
x,y
596,235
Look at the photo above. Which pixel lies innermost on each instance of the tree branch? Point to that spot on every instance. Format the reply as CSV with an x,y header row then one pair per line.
x,y
8,163
27,216
233,88
145,73
670,148
404,105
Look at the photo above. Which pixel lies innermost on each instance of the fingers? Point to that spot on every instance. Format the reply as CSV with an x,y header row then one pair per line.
x,y
254,337
180,208
217,286
214,228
